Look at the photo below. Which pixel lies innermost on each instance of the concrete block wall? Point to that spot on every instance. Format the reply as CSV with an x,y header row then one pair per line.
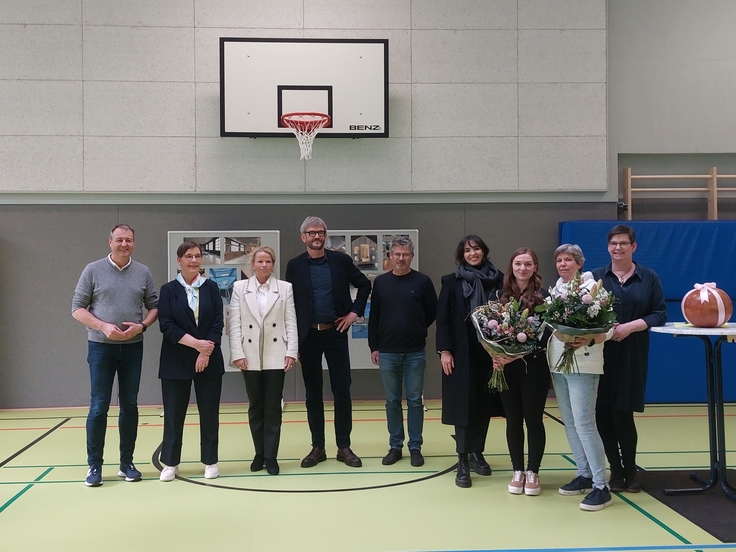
x,y
485,96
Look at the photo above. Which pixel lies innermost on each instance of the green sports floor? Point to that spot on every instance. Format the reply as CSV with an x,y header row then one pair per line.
x,y
44,505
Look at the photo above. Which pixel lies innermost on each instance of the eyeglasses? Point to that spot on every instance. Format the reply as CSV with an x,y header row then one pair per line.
x,y
190,258
403,255
314,234
622,245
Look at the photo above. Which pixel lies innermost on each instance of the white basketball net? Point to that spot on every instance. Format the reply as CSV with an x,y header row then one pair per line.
x,y
305,127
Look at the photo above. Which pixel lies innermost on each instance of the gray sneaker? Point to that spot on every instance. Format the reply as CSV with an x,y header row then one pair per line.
x,y
579,485
596,500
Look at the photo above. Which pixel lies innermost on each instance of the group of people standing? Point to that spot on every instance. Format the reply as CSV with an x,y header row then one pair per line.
x,y
597,402
272,323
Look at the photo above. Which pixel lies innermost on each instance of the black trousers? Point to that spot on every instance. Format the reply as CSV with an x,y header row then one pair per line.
x,y
620,438
481,403
334,346
175,395
265,389
528,380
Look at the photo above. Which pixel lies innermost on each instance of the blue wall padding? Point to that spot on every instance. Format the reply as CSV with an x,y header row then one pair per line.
x,y
682,253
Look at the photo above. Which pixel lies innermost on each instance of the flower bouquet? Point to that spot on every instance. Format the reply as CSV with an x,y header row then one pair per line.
x,y
506,330
580,310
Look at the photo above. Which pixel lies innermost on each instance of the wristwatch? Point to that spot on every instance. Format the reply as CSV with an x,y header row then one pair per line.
x,y
144,327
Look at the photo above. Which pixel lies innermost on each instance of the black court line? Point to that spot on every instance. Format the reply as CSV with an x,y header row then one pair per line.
x,y
157,464
555,418
29,445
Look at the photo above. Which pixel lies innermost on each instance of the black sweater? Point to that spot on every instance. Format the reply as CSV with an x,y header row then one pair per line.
x,y
402,308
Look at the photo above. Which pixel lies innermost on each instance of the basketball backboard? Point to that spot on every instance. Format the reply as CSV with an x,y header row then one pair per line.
x,y
261,79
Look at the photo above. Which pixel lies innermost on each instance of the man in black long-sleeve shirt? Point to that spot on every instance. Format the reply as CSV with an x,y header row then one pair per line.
x,y
403,306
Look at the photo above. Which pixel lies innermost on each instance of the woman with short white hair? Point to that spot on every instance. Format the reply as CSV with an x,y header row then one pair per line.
x,y
576,392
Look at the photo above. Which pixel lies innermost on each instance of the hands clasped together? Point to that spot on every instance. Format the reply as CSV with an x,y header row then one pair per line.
x,y
111,331
205,348
243,364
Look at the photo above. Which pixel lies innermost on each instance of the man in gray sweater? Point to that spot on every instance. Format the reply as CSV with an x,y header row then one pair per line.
x,y
109,299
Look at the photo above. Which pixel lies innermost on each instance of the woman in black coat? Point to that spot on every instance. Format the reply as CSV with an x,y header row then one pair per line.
x,y
190,317
466,366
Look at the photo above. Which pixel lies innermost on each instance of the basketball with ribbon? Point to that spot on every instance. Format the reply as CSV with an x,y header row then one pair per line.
x,y
706,306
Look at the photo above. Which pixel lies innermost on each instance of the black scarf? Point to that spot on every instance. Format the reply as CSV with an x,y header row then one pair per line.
x,y
476,280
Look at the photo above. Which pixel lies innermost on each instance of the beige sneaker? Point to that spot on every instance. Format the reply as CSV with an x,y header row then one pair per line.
x,y
517,483
531,487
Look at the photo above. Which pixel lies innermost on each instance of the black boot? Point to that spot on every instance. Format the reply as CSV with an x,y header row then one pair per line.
x,y
462,479
632,482
617,483
478,463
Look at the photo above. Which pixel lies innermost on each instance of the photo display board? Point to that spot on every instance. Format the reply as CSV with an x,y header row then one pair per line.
x,y
369,250
226,258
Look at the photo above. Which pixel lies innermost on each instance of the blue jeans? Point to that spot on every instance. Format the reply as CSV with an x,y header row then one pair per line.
x,y
576,397
105,360
409,368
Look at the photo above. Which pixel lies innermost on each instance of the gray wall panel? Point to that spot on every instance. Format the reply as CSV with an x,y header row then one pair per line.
x,y
43,347
45,248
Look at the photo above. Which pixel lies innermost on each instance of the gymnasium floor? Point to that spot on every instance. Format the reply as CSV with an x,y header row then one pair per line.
x,y
45,506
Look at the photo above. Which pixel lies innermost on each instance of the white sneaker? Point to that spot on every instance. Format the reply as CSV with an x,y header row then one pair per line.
x,y
169,473
517,483
211,471
532,487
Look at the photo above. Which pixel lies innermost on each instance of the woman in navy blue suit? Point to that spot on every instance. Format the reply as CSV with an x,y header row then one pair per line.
x,y
190,317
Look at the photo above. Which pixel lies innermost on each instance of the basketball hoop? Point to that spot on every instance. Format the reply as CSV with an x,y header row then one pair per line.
x,y
305,126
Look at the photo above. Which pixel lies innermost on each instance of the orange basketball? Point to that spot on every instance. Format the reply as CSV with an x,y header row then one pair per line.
x,y
706,306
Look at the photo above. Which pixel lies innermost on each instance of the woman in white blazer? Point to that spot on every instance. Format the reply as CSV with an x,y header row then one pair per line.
x,y
264,345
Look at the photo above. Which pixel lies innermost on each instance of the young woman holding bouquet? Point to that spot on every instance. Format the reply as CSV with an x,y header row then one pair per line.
x,y
466,367
527,378
576,392
639,306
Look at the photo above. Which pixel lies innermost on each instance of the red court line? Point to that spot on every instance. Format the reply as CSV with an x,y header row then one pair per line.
x,y
25,428
65,427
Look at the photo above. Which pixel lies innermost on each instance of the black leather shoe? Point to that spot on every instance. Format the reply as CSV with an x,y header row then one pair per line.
x,y
316,456
632,484
272,466
416,458
393,456
478,464
617,483
257,464
349,457
462,479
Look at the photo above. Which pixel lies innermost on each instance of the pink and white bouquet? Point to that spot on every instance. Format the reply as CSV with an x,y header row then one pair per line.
x,y
504,329
577,310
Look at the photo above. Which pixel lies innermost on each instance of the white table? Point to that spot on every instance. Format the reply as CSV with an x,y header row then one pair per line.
x,y
716,418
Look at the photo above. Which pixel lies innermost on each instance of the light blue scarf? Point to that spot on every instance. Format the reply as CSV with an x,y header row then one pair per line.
x,y
192,290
